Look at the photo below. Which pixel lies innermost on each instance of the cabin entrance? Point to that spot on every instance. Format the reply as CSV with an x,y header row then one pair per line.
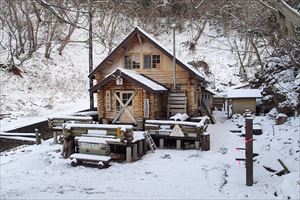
x,y
124,107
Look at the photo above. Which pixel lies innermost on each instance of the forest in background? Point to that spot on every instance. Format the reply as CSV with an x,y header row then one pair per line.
x,y
257,31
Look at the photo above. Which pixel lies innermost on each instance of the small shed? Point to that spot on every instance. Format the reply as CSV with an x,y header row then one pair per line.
x,y
207,97
242,99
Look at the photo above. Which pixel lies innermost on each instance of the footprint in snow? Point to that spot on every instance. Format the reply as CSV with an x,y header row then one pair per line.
x,y
166,156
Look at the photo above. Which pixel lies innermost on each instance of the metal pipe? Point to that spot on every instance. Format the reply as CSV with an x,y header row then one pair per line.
x,y
174,59
90,53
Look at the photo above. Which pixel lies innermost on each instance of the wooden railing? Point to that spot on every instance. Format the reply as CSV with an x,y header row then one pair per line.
x,y
26,137
70,131
188,128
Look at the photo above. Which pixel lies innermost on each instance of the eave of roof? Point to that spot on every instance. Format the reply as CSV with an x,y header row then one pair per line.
x,y
244,94
137,30
139,79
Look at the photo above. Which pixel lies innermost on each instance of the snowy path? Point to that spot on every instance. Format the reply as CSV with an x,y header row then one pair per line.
x,y
39,172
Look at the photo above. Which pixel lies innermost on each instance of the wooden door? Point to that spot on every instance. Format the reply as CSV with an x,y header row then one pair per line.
x,y
124,106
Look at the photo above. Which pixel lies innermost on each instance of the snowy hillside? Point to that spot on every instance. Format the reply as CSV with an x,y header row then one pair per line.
x,y
47,83
40,172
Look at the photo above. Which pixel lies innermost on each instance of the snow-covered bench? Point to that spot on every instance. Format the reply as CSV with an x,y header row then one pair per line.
x,y
110,129
188,128
56,123
79,158
70,131
25,137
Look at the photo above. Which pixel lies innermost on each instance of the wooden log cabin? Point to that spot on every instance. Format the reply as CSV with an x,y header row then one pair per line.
x,y
134,82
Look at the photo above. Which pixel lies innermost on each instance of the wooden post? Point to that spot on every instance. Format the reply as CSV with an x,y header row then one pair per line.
x,y
134,153
178,144
197,144
249,151
128,154
161,143
145,146
55,137
140,147
205,146
37,136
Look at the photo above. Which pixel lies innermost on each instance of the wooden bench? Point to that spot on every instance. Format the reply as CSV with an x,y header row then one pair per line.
x,y
25,137
79,129
186,131
70,131
188,128
80,158
57,123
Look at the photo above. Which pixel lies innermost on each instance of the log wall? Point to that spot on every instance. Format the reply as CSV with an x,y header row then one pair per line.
x,y
161,74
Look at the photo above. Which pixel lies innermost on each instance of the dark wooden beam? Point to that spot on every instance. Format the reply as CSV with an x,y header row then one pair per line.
x,y
140,39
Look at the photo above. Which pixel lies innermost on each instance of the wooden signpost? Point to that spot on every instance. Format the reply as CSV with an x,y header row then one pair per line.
x,y
249,151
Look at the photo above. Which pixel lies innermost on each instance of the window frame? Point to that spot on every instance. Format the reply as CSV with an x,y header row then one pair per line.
x,y
134,61
153,61
120,94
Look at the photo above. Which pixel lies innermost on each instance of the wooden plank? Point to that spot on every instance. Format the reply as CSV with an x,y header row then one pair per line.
x,y
71,118
17,134
177,98
89,157
27,139
172,106
174,111
181,94
98,126
176,102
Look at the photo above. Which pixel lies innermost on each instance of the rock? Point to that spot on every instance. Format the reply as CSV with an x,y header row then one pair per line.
x,y
288,110
279,97
281,118
268,90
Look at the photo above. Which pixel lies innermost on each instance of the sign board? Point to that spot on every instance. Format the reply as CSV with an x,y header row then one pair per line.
x,y
177,131
108,100
119,81
146,108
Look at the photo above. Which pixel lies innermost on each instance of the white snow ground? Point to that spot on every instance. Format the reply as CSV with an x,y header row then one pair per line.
x,y
39,172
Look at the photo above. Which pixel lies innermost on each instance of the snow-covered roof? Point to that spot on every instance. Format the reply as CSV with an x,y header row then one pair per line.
x,y
143,79
210,91
244,93
146,82
196,72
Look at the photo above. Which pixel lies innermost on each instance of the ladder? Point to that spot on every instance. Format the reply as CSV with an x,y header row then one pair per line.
x,y
150,141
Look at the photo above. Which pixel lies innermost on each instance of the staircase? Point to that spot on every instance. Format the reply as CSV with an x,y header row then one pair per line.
x,y
177,103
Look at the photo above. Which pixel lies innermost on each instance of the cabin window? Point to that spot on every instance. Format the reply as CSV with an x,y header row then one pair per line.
x,y
151,61
132,62
124,96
